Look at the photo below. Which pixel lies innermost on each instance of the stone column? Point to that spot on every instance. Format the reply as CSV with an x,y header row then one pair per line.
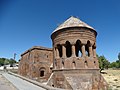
x,y
55,64
94,52
73,50
54,52
63,51
54,58
83,50
90,51
57,53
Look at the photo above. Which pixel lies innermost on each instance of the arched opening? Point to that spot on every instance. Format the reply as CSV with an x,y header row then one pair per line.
x,y
52,85
68,49
94,64
79,54
74,65
78,48
86,50
60,50
86,64
42,72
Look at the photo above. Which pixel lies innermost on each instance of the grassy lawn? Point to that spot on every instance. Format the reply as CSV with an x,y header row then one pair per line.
x,y
113,78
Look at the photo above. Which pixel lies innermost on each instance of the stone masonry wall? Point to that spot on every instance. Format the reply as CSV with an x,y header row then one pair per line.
x,y
36,63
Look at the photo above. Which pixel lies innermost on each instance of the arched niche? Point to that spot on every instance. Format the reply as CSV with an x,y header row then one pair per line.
x,y
59,47
86,64
42,71
87,48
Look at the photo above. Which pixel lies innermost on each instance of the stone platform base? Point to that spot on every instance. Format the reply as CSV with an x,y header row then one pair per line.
x,y
81,79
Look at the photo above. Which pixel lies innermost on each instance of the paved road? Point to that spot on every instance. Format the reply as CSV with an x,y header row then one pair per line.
x,y
20,83
5,84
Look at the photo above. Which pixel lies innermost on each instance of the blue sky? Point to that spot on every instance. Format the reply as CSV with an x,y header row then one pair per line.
x,y
27,23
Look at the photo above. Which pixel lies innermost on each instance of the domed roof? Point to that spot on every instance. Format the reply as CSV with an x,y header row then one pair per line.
x,y
72,22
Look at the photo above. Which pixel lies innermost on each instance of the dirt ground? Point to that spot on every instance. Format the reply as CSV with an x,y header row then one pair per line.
x,y
113,78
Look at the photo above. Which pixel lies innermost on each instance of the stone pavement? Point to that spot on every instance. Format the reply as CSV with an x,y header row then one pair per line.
x,y
5,84
20,83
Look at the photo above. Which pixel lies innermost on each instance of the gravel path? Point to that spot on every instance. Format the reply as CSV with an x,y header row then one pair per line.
x,y
20,83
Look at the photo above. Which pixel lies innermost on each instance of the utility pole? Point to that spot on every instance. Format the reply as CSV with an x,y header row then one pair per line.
x,y
14,56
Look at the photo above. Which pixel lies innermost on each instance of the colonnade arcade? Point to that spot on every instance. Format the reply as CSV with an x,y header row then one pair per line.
x,y
77,49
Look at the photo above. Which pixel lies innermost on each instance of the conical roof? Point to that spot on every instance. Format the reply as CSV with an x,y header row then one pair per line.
x,y
72,22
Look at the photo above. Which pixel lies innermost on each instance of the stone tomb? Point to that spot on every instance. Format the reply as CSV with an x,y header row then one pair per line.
x,y
75,65
71,63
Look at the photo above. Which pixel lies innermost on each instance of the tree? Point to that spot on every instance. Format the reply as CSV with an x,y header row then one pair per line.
x,y
11,62
113,65
119,60
6,62
103,63
2,61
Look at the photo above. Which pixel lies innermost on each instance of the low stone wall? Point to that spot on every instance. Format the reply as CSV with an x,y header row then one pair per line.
x,y
35,82
1,68
8,68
